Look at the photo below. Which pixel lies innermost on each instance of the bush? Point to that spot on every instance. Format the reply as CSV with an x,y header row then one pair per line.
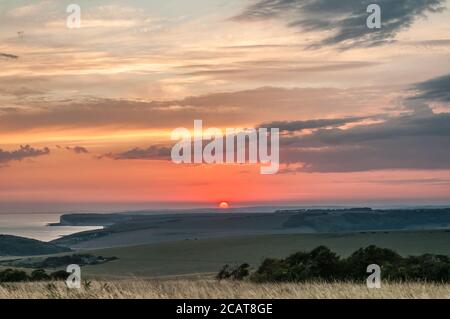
x,y
427,267
59,275
39,275
238,272
224,273
321,264
272,270
355,266
13,275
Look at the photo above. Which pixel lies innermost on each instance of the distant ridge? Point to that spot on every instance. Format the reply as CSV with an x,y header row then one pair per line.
x,y
140,228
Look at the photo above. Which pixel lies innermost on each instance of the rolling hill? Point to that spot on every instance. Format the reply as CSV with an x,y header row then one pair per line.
x,y
140,229
19,246
209,255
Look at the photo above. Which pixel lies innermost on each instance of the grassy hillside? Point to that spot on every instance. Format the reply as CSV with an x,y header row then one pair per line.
x,y
203,256
19,246
148,229
196,289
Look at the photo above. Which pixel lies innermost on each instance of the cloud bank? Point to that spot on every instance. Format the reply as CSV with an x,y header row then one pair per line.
x,y
437,89
420,140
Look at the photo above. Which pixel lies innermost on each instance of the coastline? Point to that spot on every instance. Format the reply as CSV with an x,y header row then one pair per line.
x,y
43,227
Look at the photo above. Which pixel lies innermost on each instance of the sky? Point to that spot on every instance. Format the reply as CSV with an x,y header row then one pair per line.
x,y
86,114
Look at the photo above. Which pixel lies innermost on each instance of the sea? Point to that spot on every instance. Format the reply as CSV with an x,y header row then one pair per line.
x,y
35,226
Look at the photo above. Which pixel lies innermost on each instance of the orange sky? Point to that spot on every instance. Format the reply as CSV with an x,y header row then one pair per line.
x,y
134,72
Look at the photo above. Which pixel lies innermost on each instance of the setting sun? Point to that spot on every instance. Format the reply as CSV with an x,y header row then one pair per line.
x,y
224,205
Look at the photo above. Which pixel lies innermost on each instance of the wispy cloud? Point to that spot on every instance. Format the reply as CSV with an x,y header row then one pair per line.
x,y
25,151
8,56
77,149
154,152
275,69
25,11
216,109
347,18
294,126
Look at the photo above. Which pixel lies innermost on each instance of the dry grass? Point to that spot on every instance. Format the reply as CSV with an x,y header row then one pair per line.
x,y
185,289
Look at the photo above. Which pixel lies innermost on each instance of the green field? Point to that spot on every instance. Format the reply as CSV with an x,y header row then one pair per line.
x,y
209,255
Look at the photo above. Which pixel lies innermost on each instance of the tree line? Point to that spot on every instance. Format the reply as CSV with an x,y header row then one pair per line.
x,y
14,275
322,264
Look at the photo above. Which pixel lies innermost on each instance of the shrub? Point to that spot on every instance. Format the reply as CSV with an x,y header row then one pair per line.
x,y
224,273
272,270
13,275
319,264
59,275
39,275
435,268
238,272
324,265
355,266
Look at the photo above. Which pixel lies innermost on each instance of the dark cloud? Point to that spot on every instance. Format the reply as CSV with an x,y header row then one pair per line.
x,y
25,151
347,18
437,89
293,126
77,149
154,152
417,141
8,56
